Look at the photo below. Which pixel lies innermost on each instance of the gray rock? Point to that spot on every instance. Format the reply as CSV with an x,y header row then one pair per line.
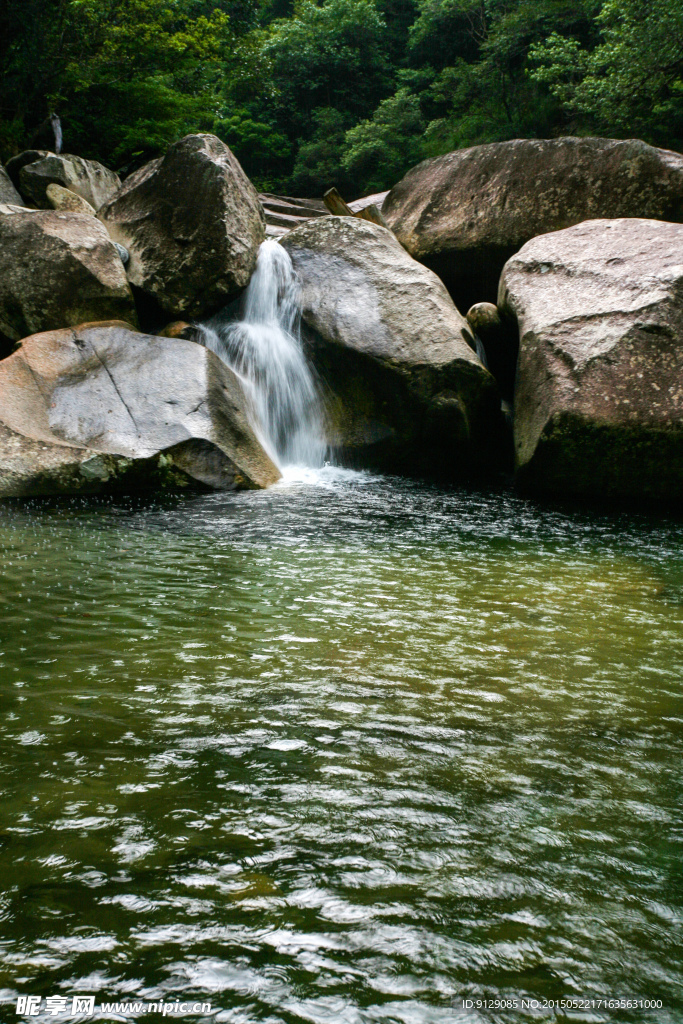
x,y
60,198
87,178
29,156
8,193
104,407
58,270
32,468
599,398
464,214
376,199
192,223
407,391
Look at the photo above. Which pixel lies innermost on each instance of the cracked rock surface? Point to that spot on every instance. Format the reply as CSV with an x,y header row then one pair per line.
x,y
105,407
599,396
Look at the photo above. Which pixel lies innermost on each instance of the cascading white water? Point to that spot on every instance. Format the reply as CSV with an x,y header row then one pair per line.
x,y
480,350
265,350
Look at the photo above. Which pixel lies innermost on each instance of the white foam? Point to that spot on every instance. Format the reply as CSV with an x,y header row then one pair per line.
x,y
265,350
328,476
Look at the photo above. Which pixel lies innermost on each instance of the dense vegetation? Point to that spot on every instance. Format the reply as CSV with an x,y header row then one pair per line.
x,y
345,92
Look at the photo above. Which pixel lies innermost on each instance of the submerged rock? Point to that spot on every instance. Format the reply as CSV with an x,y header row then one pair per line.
x,y
192,223
407,390
104,407
464,214
57,270
599,398
88,179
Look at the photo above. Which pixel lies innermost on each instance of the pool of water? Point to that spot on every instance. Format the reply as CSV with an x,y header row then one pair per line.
x,y
354,749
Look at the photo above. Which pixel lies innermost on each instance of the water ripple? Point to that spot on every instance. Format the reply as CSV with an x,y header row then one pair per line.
x,y
352,749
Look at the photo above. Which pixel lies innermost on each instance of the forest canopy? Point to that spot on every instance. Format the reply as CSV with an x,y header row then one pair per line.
x,y
345,92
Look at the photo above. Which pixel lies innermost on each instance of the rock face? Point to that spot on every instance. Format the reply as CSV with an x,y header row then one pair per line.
x,y
29,156
87,178
599,399
58,270
192,223
61,198
104,407
406,389
284,213
466,213
8,194
377,199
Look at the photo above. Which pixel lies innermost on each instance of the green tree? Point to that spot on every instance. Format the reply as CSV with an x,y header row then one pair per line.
x,y
263,150
329,67
33,36
632,81
319,163
127,76
150,76
379,151
329,55
311,93
480,90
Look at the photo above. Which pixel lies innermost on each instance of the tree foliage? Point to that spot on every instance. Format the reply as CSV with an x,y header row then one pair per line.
x,y
388,144
632,81
329,55
127,76
311,93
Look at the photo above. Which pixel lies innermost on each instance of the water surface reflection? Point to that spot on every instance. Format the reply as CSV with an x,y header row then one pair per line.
x,y
349,750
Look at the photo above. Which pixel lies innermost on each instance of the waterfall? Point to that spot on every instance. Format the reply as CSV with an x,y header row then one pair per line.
x,y
265,351
480,350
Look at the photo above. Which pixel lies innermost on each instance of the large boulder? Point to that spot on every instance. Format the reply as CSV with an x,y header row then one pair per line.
x,y
103,407
8,194
88,179
407,390
192,223
28,156
464,214
599,398
58,270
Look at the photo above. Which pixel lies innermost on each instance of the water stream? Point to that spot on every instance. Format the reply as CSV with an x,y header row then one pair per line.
x,y
264,348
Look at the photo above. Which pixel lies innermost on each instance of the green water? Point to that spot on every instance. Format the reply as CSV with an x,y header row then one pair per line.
x,y
350,750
